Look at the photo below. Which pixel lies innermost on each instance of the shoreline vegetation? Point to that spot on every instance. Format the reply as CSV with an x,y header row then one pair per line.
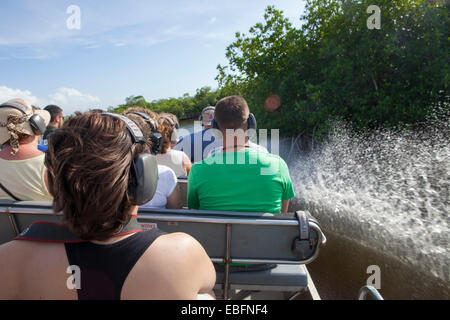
x,y
332,68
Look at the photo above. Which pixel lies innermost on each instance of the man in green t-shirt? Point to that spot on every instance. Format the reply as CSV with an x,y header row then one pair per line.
x,y
239,178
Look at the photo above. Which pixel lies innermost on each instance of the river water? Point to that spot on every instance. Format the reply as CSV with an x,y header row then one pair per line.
x,y
383,200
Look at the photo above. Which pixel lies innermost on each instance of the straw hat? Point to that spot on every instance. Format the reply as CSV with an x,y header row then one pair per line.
x,y
15,118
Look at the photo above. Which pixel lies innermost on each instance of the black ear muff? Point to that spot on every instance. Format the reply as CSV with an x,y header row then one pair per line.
x,y
251,121
157,141
155,137
143,179
37,124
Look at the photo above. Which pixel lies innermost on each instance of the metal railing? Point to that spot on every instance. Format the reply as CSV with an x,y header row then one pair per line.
x,y
369,290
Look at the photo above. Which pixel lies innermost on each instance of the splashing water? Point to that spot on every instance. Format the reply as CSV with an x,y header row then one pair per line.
x,y
389,191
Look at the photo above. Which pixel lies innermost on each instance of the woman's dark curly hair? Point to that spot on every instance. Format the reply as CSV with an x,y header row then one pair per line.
x,y
166,129
88,162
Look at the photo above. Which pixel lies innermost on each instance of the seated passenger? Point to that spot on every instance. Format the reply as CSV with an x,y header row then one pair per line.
x,y
239,178
199,145
91,167
56,119
177,160
167,193
21,163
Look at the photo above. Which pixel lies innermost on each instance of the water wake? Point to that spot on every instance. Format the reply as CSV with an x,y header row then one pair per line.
x,y
389,191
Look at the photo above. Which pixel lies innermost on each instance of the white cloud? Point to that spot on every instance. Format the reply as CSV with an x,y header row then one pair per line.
x,y
72,100
69,99
8,94
212,20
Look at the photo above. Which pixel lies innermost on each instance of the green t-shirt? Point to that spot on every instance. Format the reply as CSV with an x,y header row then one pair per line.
x,y
247,180
48,130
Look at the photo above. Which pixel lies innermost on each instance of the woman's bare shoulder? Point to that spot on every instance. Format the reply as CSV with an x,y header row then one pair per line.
x,y
169,269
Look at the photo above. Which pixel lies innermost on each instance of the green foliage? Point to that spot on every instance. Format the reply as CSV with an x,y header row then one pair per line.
x,y
335,67
185,107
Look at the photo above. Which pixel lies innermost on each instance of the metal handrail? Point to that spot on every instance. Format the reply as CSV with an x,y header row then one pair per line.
x,y
174,216
364,291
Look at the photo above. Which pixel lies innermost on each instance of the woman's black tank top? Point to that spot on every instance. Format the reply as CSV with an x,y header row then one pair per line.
x,y
104,268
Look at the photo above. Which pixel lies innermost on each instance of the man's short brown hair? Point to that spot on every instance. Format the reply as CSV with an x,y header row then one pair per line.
x,y
54,111
232,113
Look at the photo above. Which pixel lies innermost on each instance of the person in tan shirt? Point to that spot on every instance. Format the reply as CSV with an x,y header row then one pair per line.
x,y
22,170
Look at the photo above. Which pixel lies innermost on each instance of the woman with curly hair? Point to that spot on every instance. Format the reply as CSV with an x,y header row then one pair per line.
x,y
177,160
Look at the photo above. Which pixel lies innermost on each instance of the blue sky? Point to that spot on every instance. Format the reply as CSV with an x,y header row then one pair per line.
x,y
157,49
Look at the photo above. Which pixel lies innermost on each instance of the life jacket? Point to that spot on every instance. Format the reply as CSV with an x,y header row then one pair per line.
x,y
43,231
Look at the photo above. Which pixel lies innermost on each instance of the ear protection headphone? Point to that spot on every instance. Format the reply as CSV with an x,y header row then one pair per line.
x,y
175,126
37,123
172,123
155,137
251,123
200,118
144,168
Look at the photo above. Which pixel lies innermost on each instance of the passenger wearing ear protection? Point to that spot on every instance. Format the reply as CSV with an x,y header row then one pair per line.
x,y
177,160
197,145
239,178
167,193
218,145
100,171
56,120
22,170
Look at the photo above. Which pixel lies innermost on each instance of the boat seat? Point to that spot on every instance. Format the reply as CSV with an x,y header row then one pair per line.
x,y
227,237
21,214
7,231
282,278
